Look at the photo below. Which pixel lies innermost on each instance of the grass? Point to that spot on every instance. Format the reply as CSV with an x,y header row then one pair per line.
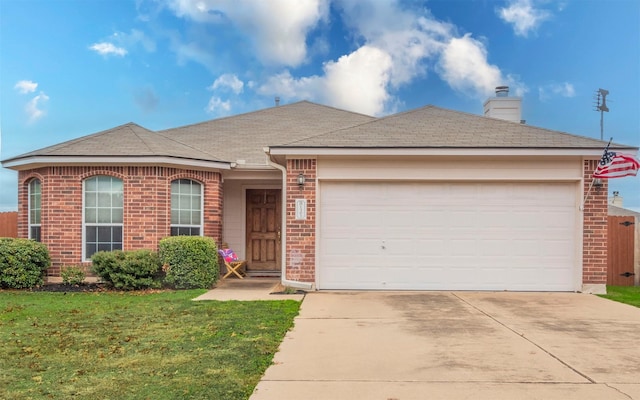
x,y
136,346
623,294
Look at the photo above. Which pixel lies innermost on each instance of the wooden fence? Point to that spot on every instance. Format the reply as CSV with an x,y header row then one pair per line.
x,y
9,224
620,250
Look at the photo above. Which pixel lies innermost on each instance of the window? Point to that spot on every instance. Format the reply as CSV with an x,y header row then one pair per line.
x,y
186,208
103,210
35,210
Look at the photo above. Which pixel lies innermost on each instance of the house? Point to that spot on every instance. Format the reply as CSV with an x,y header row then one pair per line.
x,y
623,267
428,199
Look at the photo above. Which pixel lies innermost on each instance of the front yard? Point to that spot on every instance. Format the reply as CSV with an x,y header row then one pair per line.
x,y
624,294
161,345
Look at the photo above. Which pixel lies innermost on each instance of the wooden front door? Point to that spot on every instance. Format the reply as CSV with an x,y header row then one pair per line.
x,y
620,237
263,230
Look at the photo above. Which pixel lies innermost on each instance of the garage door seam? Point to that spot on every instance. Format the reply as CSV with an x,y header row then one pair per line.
x,y
525,338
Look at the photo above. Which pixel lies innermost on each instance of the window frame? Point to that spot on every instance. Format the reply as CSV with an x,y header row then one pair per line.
x,y
199,226
31,224
96,224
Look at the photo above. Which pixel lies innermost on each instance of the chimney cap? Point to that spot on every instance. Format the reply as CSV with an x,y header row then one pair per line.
x,y
502,91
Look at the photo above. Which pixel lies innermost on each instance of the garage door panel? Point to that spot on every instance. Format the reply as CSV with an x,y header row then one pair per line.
x,y
491,236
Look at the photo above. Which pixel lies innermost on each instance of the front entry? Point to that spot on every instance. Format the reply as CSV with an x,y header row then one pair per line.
x,y
263,230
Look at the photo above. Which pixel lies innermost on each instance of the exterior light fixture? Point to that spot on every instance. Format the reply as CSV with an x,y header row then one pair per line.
x,y
301,180
596,182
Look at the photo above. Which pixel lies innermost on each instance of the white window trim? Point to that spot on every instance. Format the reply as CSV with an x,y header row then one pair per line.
x,y
84,224
201,225
30,223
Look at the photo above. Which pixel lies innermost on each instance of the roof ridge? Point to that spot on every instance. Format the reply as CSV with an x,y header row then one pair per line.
x,y
260,111
90,136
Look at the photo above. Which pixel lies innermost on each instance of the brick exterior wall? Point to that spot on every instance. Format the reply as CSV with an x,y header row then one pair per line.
x,y
301,234
594,234
147,207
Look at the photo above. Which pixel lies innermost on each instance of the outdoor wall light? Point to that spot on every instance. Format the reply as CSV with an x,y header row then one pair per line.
x,y
301,180
597,183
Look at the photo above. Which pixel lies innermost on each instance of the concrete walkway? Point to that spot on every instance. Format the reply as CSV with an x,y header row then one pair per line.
x,y
248,289
444,345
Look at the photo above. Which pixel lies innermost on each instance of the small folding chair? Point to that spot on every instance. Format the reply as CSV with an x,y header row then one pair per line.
x,y
232,263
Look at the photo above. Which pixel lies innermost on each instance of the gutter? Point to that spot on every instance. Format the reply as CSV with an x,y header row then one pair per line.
x,y
283,227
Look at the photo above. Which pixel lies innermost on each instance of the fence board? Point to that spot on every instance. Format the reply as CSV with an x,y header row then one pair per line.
x,y
9,224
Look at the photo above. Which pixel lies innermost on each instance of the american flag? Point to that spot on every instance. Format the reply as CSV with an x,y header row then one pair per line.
x,y
616,165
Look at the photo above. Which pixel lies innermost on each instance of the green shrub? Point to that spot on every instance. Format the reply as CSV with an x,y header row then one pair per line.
x,y
128,270
72,275
22,263
190,261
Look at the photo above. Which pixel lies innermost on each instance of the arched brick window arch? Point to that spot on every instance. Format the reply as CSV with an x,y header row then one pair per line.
x,y
102,214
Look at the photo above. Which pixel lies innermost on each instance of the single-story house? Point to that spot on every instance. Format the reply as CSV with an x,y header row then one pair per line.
x,y
428,199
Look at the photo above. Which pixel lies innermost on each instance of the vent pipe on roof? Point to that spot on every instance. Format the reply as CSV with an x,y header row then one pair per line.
x,y
616,200
502,91
277,101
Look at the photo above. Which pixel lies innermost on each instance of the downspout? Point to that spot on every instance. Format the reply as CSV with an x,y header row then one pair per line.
x,y
283,228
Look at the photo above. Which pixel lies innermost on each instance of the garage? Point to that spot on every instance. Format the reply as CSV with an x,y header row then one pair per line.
x,y
519,236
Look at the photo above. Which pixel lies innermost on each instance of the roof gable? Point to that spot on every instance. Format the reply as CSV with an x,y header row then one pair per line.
x,y
125,140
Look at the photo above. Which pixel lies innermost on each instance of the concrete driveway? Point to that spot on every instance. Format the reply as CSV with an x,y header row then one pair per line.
x,y
457,345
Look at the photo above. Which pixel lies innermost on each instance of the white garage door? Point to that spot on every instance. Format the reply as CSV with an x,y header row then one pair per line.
x,y
447,236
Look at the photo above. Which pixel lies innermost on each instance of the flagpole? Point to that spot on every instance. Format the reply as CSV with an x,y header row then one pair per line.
x,y
587,195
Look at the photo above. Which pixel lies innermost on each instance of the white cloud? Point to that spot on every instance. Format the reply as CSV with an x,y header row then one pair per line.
x,y
407,36
399,46
278,28
34,107
394,43
106,48
465,68
216,105
556,89
524,16
25,87
118,43
355,82
228,81
136,37
359,80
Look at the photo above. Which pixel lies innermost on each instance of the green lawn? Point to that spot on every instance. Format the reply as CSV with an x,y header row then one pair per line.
x,y
136,346
624,294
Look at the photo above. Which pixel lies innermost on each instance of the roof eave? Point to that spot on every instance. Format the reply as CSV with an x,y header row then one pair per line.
x,y
24,163
435,151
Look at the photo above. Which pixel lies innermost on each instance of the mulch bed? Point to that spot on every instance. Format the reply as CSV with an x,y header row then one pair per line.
x,y
62,288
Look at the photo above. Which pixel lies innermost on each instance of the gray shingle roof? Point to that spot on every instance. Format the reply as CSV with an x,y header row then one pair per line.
x,y
434,127
309,125
243,137
240,137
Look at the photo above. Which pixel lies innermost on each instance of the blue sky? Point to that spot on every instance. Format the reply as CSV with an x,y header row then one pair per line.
x,y
72,68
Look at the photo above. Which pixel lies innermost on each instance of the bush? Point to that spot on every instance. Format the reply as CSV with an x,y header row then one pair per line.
x,y
190,261
22,263
128,270
72,275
